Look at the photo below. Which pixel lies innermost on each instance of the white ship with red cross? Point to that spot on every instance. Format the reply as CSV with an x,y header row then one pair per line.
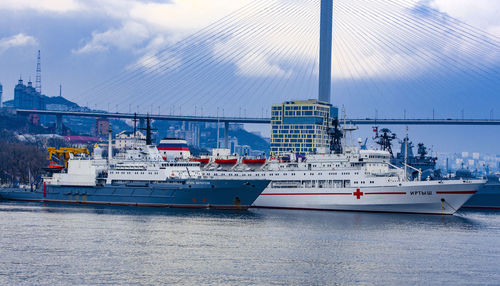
x,y
353,180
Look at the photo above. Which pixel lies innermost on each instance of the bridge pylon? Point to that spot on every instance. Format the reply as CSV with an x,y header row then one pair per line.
x,y
325,51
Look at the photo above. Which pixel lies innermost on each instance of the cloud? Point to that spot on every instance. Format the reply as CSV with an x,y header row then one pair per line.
x,y
480,13
59,6
157,64
145,27
18,40
149,26
183,16
129,36
259,65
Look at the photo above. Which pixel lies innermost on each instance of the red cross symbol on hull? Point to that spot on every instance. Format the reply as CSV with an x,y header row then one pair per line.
x,y
357,194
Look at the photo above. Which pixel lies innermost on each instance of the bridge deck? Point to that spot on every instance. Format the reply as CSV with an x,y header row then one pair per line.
x,y
366,121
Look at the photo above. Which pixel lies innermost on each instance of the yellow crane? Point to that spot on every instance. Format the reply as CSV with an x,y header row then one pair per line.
x,y
64,153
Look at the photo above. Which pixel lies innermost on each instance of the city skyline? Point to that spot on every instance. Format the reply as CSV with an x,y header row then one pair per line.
x,y
108,37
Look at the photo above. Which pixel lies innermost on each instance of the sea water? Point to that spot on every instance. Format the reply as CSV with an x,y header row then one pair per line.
x,y
59,244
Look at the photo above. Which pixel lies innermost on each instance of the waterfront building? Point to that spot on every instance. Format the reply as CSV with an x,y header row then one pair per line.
x,y
300,126
243,150
101,127
126,140
26,97
186,130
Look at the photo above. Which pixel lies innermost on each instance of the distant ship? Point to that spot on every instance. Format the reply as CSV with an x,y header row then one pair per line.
x,y
138,177
488,195
426,164
350,179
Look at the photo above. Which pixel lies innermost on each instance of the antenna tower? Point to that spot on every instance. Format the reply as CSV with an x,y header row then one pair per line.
x,y
38,85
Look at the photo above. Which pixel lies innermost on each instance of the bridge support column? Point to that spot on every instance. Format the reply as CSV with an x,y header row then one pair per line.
x,y
325,51
226,135
59,124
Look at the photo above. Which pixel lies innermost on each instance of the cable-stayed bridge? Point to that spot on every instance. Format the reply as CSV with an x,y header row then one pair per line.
x,y
384,53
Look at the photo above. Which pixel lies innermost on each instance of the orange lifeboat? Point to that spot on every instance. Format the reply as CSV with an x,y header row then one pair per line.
x,y
226,161
202,161
54,168
257,161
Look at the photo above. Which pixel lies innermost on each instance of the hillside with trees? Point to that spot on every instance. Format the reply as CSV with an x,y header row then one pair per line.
x,y
19,159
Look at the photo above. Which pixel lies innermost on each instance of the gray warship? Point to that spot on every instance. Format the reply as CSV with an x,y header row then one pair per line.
x,y
422,161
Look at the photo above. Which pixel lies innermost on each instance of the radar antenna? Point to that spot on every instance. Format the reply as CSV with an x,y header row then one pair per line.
x,y
384,138
336,136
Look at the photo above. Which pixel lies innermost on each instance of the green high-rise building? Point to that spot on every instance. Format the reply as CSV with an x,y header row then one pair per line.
x,y
300,126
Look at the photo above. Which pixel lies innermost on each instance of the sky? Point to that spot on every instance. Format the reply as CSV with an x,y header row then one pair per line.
x,y
379,69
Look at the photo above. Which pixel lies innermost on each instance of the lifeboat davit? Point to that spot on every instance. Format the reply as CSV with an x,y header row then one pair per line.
x,y
54,168
202,161
258,161
226,161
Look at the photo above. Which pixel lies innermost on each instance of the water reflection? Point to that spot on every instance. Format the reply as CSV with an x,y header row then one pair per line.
x,y
331,219
82,244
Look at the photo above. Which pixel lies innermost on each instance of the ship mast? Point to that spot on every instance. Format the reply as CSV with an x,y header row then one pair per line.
x,y
406,154
110,145
149,137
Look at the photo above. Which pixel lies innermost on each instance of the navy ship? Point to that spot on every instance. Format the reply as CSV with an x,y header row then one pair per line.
x,y
138,177
423,162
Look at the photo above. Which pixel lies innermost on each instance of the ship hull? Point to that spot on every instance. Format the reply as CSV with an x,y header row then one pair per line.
x,y
421,197
219,194
487,197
